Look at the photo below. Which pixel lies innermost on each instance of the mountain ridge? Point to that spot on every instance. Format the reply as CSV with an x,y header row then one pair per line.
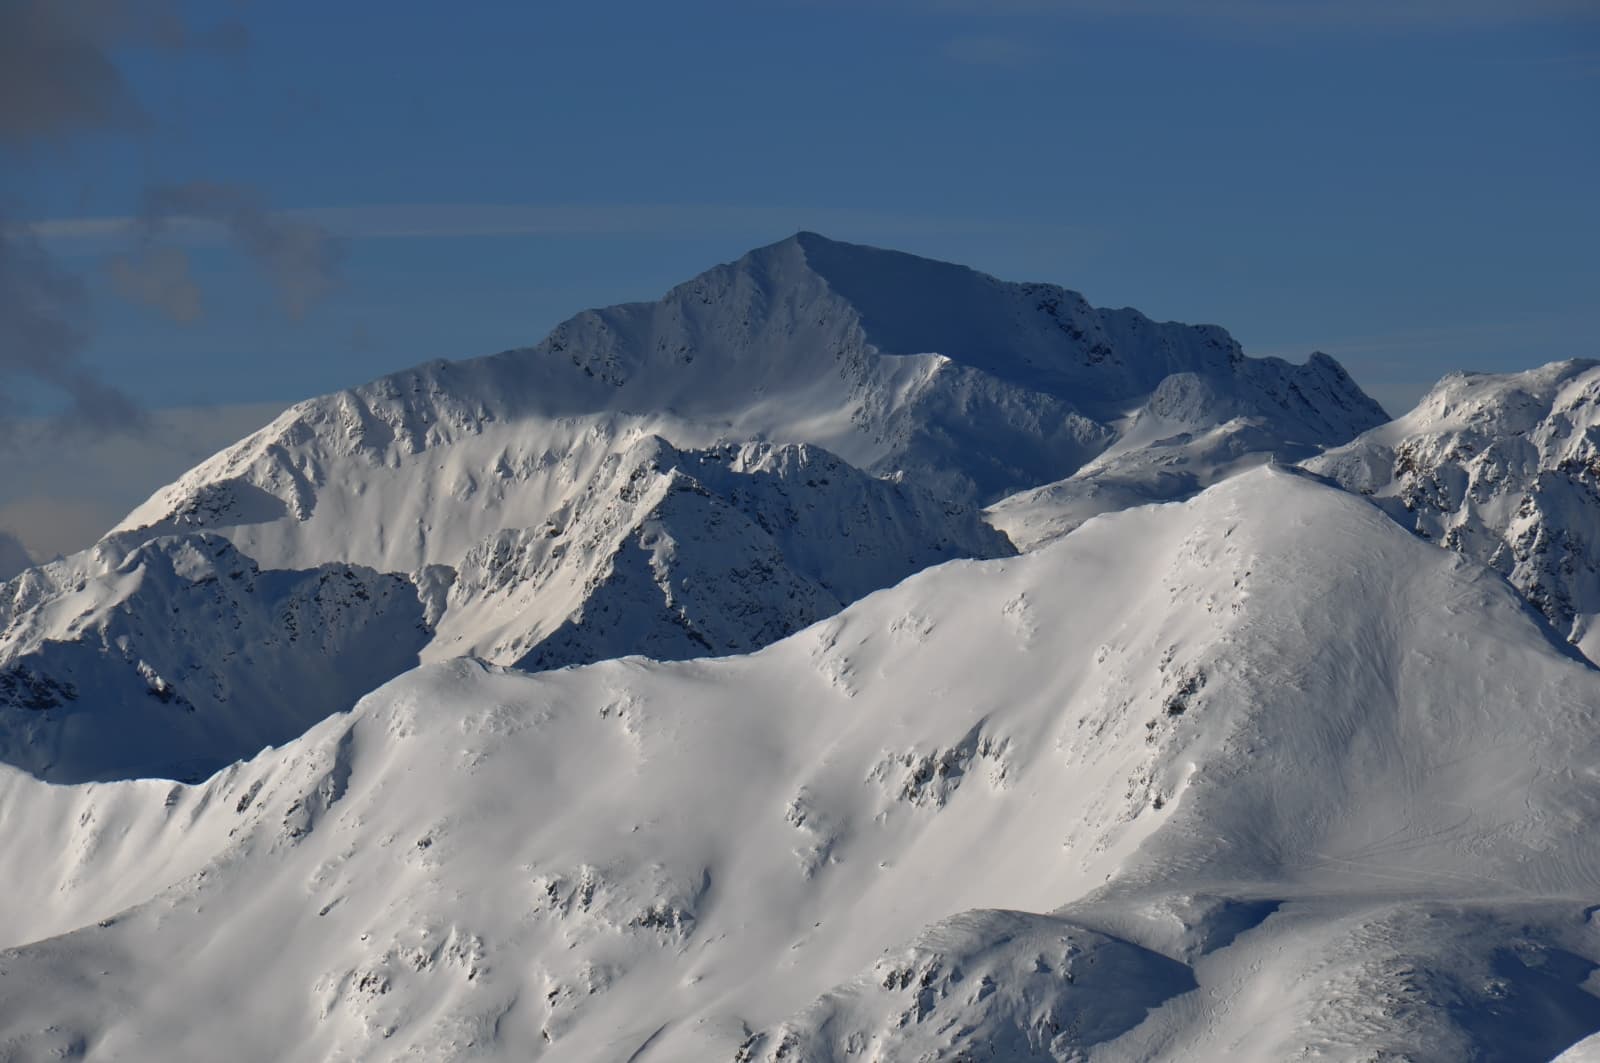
x,y
707,709
753,852
602,493
790,361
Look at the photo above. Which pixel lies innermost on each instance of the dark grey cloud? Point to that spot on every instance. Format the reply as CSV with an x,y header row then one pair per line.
x,y
60,81
59,76
299,257
42,337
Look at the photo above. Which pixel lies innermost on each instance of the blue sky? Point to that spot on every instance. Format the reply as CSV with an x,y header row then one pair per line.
x,y
1409,186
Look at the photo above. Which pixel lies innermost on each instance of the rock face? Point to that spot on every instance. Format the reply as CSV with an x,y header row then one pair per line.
x,y
1504,469
188,656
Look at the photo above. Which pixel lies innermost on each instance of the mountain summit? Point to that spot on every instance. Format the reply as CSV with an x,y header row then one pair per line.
x,y
700,475
904,367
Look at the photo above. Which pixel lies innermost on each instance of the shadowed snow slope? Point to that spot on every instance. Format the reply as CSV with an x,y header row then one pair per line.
x,y
1257,776
677,554
1506,470
187,657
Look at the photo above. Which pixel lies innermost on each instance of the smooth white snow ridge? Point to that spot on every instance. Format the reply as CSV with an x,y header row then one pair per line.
x,y
1259,776
1504,468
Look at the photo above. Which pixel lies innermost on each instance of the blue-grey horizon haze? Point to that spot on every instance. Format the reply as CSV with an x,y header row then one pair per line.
x,y
259,203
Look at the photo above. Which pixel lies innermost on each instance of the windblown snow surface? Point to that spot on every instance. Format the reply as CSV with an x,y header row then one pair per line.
x,y
1259,776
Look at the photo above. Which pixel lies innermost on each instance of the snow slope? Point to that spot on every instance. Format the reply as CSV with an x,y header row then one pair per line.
x,y
1504,468
187,657
1257,776
1159,459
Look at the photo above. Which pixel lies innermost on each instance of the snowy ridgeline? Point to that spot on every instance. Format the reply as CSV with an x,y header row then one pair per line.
x,y
187,657
581,500
1506,470
1127,797
1261,775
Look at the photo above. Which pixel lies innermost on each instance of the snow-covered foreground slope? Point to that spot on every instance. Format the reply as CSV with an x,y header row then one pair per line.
x,y
1505,469
1258,776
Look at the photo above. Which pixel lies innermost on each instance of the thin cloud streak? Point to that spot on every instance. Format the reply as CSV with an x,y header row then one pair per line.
x,y
448,220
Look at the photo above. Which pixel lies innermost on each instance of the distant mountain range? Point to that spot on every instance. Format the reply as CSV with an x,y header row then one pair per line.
x,y
797,668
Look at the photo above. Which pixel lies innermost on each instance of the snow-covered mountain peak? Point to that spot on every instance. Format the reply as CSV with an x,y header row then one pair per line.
x,y
1038,336
971,386
710,471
